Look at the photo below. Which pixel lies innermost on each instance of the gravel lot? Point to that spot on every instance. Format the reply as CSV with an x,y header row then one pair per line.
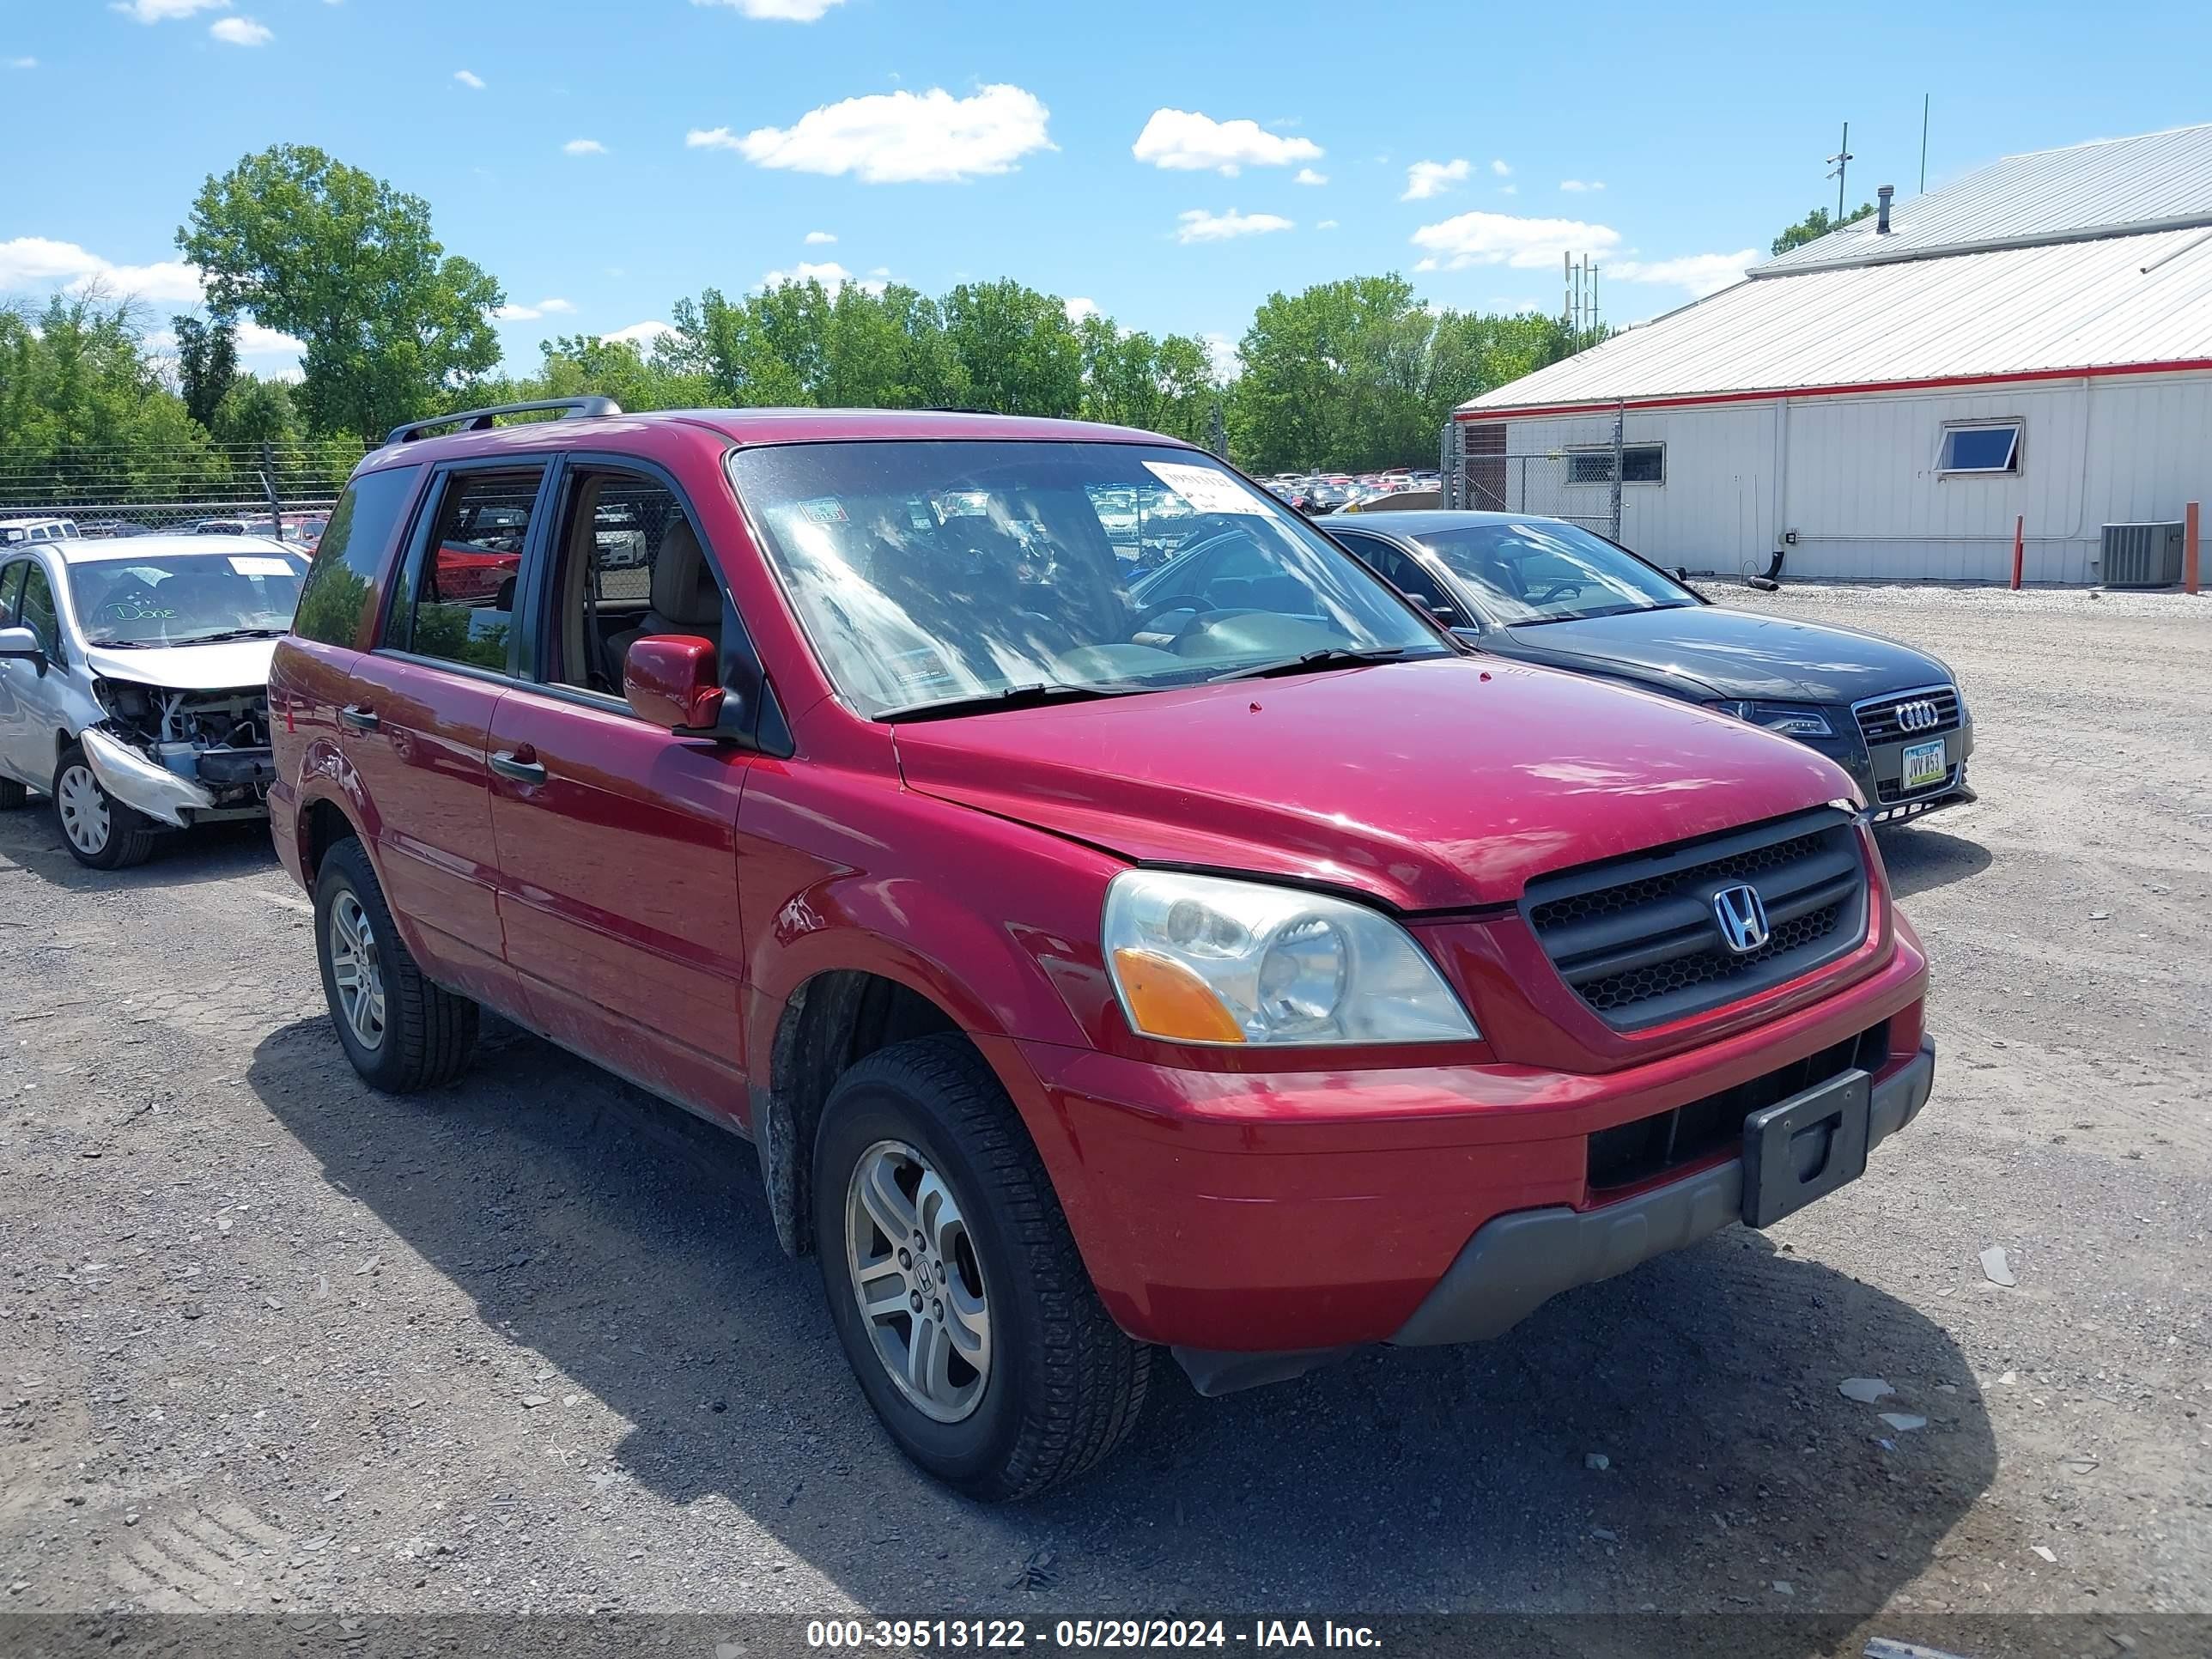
x,y
268,1341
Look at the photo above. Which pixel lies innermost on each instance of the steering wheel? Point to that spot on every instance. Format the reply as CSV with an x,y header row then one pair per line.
x,y
1553,591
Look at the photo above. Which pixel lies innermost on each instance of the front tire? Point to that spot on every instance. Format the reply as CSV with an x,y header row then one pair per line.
x,y
401,1032
955,1288
100,832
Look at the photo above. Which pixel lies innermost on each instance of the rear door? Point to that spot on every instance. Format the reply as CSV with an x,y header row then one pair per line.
x,y
418,726
617,840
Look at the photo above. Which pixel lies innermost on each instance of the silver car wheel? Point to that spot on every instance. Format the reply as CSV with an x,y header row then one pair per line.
x,y
919,1283
356,971
83,809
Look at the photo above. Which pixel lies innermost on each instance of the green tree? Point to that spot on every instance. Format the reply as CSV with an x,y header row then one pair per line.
x,y
1018,352
1134,379
207,364
322,251
84,413
1815,225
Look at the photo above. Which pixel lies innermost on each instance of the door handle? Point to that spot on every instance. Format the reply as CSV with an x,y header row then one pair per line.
x,y
361,719
520,764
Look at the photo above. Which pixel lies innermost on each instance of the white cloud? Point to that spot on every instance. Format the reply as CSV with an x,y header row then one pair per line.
x,y
1186,142
22,63
1509,190
255,341
160,11
469,79
1427,178
36,262
776,12
1577,186
512,313
1700,273
1501,169
1078,308
1426,262
241,32
820,238
583,147
1200,226
1501,238
899,137
1325,224
880,271
1222,357
644,335
1308,176
831,275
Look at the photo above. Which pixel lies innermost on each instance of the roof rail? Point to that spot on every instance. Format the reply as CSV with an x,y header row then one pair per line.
x,y
480,420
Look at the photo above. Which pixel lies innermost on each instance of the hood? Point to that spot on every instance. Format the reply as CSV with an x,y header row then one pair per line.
x,y
228,666
1430,785
1736,654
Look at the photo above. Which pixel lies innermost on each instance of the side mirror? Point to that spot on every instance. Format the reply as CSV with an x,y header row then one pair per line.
x,y
673,681
22,645
1442,614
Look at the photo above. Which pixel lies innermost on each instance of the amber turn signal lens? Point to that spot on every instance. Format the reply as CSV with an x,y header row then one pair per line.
x,y
1167,1000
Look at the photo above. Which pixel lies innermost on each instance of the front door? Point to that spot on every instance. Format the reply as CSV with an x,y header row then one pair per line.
x,y
617,840
31,711
417,730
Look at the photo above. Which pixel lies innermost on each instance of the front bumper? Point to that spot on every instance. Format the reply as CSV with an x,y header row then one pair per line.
x,y
1517,1262
138,782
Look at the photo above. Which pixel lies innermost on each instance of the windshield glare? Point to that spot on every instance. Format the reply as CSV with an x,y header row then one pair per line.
x,y
934,572
1525,573
177,598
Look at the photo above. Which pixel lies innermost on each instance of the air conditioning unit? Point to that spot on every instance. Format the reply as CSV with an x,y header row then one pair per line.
x,y
2141,554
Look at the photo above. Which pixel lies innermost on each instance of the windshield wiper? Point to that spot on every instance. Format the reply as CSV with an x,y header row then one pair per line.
x,y
1014,696
1333,656
98,644
229,634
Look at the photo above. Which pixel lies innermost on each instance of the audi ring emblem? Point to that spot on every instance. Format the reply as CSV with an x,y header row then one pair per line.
x,y
1919,715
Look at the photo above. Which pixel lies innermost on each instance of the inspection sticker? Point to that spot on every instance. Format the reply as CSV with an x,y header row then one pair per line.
x,y
1207,490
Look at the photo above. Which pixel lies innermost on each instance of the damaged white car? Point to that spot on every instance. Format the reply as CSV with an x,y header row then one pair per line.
x,y
134,682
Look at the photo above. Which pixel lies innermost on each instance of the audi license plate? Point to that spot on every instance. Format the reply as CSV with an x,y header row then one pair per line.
x,y
1925,766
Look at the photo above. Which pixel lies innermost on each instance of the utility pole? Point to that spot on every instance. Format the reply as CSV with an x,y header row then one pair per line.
x,y
1924,97
1841,160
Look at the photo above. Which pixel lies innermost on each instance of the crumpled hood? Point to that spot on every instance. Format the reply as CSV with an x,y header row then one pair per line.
x,y
233,664
1431,786
1739,654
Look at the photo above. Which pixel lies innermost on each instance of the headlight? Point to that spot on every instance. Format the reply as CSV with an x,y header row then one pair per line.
x,y
1792,719
1205,959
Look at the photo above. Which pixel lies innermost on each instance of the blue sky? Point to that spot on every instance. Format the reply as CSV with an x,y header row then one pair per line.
x,y
1170,163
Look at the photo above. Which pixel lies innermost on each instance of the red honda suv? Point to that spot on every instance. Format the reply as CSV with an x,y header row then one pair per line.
x,y
1252,978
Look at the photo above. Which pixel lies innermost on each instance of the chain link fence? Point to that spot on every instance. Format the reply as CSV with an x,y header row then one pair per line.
x,y
1581,484
139,489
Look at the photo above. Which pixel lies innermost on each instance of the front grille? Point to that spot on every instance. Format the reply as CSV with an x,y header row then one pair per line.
x,y
1632,1153
1638,940
1881,721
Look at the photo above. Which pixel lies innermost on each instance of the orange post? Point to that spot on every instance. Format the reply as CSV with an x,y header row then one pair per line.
x,y
2188,549
2018,549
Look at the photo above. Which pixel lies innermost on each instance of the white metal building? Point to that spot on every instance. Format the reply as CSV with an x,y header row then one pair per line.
x,y
2035,340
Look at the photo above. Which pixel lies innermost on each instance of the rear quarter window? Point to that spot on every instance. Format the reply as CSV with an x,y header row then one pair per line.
x,y
361,531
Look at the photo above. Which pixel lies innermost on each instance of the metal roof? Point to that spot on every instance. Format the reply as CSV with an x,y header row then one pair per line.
x,y
2161,180
2118,300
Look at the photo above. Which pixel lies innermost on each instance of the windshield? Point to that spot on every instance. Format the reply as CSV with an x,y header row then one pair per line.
x,y
179,599
1540,573
940,573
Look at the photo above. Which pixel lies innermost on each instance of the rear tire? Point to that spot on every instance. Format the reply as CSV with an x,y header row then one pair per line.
x,y
100,832
401,1032
993,1266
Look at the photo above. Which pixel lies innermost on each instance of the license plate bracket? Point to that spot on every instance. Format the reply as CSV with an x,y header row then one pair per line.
x,y
1805,1147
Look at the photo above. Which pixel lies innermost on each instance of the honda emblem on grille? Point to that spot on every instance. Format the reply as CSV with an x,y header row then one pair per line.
x,y
1742,916
1918,715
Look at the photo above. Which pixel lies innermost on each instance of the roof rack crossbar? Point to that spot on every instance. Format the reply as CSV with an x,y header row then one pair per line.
x,y
481,420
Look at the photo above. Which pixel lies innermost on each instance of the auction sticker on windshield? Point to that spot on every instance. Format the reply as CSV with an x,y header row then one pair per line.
x,y
255,567
1207,490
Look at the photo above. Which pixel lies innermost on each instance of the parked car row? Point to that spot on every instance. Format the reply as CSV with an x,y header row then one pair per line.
x,y
1319,493
1128,922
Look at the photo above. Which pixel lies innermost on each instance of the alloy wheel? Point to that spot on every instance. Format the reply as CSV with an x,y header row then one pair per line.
x,y
916,1275
356,971
83,809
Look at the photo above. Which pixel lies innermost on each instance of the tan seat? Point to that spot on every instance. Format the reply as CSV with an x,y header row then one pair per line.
x,y
686,596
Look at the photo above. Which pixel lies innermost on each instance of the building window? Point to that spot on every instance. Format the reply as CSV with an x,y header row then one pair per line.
x,y
1983,446
1640,463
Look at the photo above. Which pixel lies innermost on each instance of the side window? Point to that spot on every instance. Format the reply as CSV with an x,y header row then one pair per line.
x,y
11,583
1407,573
458,606
630,564
35,608
349,556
